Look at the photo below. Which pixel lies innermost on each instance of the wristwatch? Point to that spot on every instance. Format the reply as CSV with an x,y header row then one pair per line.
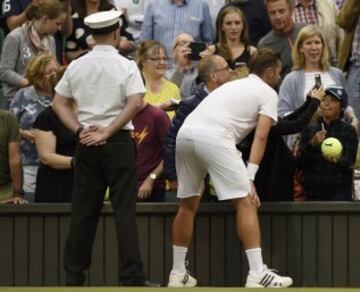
x,y
78,132
153,176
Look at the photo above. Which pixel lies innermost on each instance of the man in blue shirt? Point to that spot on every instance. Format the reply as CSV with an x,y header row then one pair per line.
x,y
176,17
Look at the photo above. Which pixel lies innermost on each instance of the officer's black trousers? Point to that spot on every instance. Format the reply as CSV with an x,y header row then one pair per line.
x,y
113,165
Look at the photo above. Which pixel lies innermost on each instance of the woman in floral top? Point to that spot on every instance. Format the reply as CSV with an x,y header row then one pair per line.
x,y
27,104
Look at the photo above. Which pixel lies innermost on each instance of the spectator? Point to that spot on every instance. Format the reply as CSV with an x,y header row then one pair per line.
x,y
11,182
15,16
152,61
81,41
2,99
27,104
215,7
150,127
233,40
134,10
55,145
213,72
349,56
310,57
183,73
328,179
45,17
256,17
275,178
192,17
322,13
284,31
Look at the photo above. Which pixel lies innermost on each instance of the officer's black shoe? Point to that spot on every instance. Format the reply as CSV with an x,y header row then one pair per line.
x,y
148,283
143,283
75,279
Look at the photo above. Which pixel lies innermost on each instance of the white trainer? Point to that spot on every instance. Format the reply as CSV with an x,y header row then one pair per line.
x,y
267,279
177,279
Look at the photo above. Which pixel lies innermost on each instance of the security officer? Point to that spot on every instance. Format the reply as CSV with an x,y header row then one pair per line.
x,y
108,90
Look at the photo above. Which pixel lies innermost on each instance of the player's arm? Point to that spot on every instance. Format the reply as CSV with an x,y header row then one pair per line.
x,y
259,144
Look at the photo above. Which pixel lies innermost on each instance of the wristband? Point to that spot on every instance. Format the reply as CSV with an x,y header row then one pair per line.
x,y
252,170
78,132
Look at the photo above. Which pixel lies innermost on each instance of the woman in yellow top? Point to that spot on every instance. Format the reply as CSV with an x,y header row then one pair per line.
x,y
152,61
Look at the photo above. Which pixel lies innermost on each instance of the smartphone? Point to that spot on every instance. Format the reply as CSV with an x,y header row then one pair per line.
x,y
196,49
317,80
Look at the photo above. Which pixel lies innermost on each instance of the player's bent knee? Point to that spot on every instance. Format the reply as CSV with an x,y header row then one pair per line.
x,y
244,202
190,204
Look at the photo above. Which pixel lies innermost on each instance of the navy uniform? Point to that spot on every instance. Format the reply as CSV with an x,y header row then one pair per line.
x,y
102,82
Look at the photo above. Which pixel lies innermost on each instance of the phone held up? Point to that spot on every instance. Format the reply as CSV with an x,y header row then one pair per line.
x,y
317,81
196,49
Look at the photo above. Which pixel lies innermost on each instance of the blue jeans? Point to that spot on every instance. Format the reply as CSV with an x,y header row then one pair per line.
x,y
353,87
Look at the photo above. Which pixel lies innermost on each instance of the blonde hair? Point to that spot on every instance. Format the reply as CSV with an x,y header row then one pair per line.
x,y
145,49
298,58
35,69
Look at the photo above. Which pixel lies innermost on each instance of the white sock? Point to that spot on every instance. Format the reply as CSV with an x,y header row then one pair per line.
x,y
255,260
179,255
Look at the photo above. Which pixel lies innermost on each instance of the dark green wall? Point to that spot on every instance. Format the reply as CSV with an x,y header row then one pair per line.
x,y
318,244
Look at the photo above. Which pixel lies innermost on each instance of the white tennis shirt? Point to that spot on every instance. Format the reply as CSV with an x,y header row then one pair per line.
x,y
229,113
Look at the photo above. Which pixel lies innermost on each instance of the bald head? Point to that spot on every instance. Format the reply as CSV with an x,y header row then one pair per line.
x,y
214,71
182,39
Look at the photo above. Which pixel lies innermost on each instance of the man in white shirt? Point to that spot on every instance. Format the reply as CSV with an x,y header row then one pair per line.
x,y
108,90
206,144
134,10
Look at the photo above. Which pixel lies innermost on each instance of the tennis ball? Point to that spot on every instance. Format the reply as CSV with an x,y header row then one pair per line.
x,y
331,148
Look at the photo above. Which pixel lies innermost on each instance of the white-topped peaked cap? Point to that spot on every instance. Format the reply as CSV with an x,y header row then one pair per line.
x,y
103,22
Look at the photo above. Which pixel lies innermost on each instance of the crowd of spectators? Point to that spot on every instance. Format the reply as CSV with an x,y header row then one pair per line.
x,y
313,38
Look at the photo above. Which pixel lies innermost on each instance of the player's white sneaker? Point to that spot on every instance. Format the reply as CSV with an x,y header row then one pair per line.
x,y
177,279
267,279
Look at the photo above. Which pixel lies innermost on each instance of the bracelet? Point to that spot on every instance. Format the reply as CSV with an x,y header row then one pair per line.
x,y
72,162
252,170
78,132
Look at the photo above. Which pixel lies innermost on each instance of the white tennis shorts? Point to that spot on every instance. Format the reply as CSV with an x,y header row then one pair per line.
x,y
194,159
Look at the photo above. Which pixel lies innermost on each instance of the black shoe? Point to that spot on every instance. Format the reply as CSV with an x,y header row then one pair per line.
x,y
75,279
148,283
144,283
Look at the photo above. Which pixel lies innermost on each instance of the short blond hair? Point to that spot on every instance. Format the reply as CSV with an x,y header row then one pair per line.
x,y
298,58
35,70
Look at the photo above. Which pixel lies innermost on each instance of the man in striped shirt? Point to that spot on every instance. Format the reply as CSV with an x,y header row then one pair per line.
x,y
166,19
